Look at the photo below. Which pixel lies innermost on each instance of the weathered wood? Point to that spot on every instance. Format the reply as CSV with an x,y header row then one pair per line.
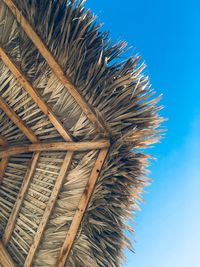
x,y
5,259
3,165
71,235
24,187
34,95
56,146
49,208
4,161
56,67
16,119
2,141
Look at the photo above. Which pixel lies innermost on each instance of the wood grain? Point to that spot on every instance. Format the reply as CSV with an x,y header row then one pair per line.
x,y
73,230
56,146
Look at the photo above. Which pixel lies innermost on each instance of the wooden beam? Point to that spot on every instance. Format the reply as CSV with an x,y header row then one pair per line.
x,y
89,112
3,165
57,146
2,141
24,187
4,161
49,208
5,259
34,95
73,230
16,119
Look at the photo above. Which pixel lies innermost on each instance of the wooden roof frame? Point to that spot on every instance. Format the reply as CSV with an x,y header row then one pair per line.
x,y
56,146
55,67
101,145
20,198
49,208
75,225
34,95
71,234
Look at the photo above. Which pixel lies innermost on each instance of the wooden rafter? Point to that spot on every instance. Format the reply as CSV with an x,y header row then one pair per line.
x,y
71,235
56,67
2,141
49,207
4,161
5,259
56,146
3,165
34,95
24,187
16,119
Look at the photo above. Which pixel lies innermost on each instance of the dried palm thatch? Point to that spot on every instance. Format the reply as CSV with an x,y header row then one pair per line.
x,y
70,114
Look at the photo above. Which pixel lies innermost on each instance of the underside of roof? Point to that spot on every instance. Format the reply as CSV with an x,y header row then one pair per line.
x,y
74,121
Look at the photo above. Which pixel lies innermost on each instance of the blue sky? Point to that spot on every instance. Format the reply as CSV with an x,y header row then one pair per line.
x,y
167,36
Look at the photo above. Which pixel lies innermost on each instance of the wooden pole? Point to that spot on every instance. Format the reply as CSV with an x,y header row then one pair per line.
x,y
16,119
73,230
34,95
57,146
49,208
24,187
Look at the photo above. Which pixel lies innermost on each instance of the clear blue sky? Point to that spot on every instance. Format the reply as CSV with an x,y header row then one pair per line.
x,y
167,35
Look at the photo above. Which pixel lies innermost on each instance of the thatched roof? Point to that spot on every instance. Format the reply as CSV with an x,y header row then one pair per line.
x,y
73,121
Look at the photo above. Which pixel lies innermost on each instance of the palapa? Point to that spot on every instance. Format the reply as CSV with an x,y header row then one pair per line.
x,y
73,123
